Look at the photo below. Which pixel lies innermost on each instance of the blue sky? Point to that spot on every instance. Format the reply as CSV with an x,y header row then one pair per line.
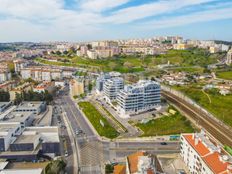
x,y
87,20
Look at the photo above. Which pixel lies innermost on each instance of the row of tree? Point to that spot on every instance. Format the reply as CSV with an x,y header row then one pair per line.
x,y
33,96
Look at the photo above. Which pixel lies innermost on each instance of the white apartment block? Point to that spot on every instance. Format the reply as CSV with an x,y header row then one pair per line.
x,y
202,156
111,88
141,97
229,57
19,64
92,54
41,73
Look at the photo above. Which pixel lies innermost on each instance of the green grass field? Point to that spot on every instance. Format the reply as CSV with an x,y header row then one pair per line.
x,y
220,106
132,64
94,117
225,75
167,125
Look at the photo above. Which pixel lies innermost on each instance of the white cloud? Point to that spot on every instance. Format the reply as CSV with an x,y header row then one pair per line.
x,y
100,5
205,16
159,7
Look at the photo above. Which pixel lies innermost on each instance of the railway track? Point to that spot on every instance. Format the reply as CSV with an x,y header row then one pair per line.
x,y
222,134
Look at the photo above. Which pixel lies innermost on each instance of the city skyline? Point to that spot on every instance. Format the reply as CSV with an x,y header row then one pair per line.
x,y
87,20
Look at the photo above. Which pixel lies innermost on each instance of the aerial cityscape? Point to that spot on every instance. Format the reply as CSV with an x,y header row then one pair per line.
x,y
115,87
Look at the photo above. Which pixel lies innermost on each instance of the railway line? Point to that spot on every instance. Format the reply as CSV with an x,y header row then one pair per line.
x,y
218,131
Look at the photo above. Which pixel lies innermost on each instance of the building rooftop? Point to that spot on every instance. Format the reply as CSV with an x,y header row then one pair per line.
x,y
30,104
133,161
210,153
17,117
27,138
119,169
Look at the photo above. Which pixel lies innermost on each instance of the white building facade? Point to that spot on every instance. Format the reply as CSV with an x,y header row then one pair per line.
x,y
141,97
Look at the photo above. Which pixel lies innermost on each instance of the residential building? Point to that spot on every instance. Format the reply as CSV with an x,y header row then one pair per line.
x,y
181,46
7,86
20,64
203,156
138,163
77,86
92,54
46,73
229,57
19,90
100,81
5,73
112,87
141,97
45,86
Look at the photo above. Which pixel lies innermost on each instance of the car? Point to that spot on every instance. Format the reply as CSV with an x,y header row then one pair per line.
x,y
66,153
79,131
163,143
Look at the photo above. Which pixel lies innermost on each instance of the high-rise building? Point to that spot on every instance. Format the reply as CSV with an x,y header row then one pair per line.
x,y
141,97
111,88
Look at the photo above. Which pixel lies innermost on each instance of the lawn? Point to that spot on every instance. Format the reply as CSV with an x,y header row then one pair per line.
x,y
225,75
94,117
220,106
167,125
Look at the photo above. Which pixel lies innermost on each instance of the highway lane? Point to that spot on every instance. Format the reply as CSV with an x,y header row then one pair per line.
x,y
217,130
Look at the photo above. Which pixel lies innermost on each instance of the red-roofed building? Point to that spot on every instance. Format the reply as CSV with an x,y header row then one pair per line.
x,y
202,156
138,163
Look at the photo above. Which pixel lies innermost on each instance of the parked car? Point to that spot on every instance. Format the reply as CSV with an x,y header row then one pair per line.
x,y
163,143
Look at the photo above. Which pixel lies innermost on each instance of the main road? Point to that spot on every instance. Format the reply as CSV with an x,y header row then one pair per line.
x,y
93,151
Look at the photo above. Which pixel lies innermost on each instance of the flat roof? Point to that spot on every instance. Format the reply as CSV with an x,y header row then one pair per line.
x,y
6,127
30,104
24,171
28,138
17,117
48,133
3,104
3,165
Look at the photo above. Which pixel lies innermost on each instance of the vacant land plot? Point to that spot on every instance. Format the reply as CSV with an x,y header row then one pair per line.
x,y
101,125
225,75
166,125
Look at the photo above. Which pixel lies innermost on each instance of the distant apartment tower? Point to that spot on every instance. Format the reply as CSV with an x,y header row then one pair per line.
x,y
111,88
229,57
141,97
203,156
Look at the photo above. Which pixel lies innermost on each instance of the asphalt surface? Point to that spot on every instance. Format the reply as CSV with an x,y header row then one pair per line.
x,y
218,131
93,151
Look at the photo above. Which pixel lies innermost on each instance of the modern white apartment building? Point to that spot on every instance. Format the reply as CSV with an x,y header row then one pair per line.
x,y
103,77
141,97
112,87
202,156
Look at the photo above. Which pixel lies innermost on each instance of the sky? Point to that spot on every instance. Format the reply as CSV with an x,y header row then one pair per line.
x,y
89,20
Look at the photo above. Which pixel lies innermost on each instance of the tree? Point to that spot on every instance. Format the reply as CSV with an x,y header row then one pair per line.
x,y
4,96
55,167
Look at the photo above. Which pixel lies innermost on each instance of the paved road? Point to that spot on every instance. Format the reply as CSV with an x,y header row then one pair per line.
x,y
217,130
94,151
